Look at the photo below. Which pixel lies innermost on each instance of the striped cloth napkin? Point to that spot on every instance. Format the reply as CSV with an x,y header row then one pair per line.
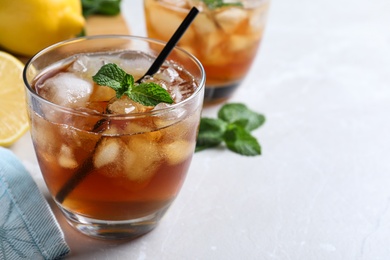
x,y
28,229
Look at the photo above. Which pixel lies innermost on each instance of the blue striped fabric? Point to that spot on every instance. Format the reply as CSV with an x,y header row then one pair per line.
x,y
28,229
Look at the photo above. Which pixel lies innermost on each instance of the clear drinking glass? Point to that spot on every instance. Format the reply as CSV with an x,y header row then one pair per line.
x,y
225,38
112,175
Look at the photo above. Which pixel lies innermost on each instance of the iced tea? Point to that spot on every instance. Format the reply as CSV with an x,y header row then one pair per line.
x,y
224,38
109,160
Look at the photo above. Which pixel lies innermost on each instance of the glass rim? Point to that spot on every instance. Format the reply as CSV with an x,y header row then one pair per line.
x,y
152,112
201,10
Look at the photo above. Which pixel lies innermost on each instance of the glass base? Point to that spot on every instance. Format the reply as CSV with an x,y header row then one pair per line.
x,y
219,93
114,230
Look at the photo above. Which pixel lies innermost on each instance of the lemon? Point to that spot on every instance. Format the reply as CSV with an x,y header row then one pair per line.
x,y
27,26
13,111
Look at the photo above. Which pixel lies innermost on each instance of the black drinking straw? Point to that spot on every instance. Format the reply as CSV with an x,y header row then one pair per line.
x,y
87,167
171,43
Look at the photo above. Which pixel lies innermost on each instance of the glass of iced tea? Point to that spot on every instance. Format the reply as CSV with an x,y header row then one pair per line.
x,y
225,37
112,165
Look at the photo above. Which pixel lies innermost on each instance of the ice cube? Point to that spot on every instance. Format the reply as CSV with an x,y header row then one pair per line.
x,y
185,129
79,65
176,93
66,158
72,135
135,63
180,3
230,18
242,42
133,127
145,158
44,134
213,51
212,46
186,90
101,93
107,152
87,65
125,105
162,106
168,75
258,19
66,89
170,116
177,151
204,25
200,5
165,22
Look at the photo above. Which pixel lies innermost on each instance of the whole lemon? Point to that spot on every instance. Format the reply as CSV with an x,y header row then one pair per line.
x,y
27,26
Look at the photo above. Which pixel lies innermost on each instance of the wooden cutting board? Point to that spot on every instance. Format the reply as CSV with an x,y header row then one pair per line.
x,y
98,24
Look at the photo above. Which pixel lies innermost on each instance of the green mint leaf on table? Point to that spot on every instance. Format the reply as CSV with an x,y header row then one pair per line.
x,y
233,127
214,4
210,133
241,115
147,94
241,141
103,7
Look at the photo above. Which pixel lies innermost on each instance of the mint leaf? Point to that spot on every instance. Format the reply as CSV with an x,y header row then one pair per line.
x,y
111,75
150,94
241,141
233,126
147,94
210,133
104,7
128,80
239,113
214,4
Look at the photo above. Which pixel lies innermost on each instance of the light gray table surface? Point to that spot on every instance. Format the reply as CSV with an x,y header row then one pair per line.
x,y
321,188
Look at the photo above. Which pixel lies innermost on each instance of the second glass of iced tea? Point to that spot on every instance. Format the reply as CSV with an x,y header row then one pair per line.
x,y
113,166
225,37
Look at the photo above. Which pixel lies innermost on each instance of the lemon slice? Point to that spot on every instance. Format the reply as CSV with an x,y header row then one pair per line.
x,y
13,111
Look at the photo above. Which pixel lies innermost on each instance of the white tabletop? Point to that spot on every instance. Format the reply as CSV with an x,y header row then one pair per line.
x,y
321,189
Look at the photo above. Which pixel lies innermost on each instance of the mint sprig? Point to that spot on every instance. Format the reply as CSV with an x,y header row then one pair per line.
x,y
147,94
103,7
214,4
233,127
